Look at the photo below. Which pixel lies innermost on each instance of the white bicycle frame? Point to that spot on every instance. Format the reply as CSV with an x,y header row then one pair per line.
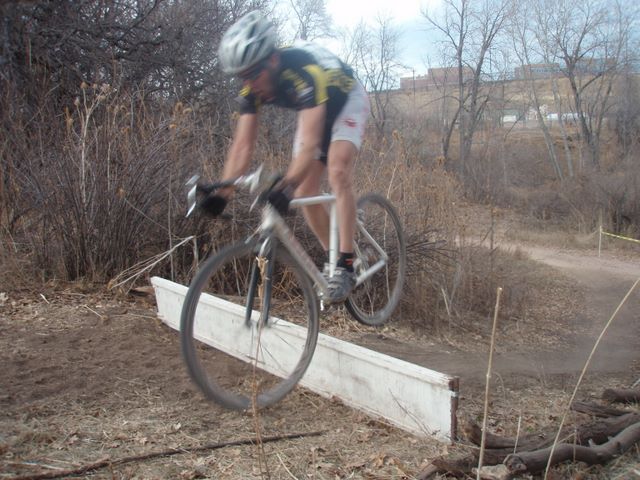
x,y
272,221
273,224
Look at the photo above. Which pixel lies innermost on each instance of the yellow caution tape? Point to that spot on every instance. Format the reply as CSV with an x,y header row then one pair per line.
x,y
619,236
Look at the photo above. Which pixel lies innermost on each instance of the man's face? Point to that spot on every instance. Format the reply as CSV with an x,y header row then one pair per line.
x,y
259,79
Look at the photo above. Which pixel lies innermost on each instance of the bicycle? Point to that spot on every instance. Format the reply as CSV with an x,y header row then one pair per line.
x,y
275,291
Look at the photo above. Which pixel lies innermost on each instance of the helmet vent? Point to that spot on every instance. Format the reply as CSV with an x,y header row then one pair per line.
x,y
247,42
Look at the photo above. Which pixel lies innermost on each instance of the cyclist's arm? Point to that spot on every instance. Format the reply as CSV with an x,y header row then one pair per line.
x,y
311,121
241,150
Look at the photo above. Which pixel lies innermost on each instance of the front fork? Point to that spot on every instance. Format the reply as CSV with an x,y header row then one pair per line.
x,y
261,280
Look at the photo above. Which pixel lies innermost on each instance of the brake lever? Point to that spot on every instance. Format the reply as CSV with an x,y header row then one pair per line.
x,y
192,185
253,181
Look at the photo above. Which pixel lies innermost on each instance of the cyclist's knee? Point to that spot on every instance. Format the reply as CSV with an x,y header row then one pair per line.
x,y
340,177
340,165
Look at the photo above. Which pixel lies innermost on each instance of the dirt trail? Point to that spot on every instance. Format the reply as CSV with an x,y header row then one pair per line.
x,y
87,375
606,281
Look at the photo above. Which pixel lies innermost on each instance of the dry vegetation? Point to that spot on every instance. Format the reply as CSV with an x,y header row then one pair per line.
x,y
91,183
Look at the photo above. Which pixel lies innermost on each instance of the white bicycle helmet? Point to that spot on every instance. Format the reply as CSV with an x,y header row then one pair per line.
x,y
249,40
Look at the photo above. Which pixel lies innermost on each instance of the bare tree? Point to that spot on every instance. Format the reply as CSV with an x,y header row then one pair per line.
x,y
98,126
589,37
312,19
373,52
523,32
167,47
627,113
470,29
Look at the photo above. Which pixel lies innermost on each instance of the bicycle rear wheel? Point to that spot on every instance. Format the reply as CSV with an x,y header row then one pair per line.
x,y
378,233
234,361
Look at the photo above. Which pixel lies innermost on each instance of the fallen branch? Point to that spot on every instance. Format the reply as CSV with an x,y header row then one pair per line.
x,y
105,462
596,410
473,433
499,448
621,395
536,461
598,431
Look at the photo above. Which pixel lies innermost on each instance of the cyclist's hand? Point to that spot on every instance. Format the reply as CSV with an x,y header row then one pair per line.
x,y
280,199
213,204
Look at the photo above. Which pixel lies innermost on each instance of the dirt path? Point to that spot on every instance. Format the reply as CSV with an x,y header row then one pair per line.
x,y
86,375
606,281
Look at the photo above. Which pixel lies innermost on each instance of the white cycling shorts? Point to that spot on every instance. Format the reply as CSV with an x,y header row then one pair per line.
x,y
352,120
350,123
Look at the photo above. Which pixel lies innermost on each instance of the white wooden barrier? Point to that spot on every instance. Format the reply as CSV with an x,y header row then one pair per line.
x,y
411,397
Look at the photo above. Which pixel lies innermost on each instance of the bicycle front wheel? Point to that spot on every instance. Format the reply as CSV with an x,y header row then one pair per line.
x,y
379,248
241,359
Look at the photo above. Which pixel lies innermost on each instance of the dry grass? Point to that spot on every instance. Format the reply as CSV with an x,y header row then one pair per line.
x,y
449,292
128,401
143,408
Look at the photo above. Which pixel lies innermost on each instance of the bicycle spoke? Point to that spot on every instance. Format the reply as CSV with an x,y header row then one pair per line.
x,y
379,236
263,360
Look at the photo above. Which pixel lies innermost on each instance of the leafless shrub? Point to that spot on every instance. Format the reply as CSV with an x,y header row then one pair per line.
x,y
615,197
99,129
17,270
425,195
167,48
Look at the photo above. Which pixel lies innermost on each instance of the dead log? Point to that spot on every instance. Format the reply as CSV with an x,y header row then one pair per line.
x,y
536,461
596,410
473,432
622,395
597,432
600,431
428,472
458,466
611,423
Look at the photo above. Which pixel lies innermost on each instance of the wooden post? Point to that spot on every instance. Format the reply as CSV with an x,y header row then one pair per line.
x,y
599,240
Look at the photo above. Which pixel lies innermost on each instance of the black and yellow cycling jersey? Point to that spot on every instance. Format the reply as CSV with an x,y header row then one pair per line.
x,y
307,76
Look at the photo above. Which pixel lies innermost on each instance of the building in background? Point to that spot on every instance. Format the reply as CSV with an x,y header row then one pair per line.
x,y
436,77
448,76
537,71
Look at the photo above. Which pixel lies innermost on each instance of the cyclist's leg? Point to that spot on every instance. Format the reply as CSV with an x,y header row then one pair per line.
x,y
340,163
315,215
347,134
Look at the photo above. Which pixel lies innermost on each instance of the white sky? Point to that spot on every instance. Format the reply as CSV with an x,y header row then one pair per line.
x,y
349,12
417,50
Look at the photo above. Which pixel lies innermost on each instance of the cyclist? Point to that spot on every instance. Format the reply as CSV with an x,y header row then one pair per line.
x,y
332,107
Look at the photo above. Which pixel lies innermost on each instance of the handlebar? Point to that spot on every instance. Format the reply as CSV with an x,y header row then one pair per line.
x,y
251,181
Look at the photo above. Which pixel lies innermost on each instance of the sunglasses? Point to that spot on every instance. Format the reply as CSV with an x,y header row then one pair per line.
x,y
254,72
